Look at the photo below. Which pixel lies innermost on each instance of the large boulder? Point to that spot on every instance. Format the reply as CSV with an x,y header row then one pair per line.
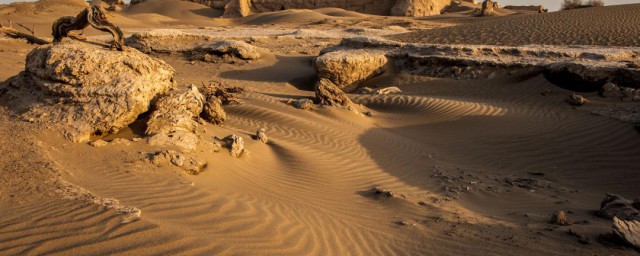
x,y
350,68
87,89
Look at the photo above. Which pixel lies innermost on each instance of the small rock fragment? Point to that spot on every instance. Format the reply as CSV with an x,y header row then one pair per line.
x,y
261,135
560,218
98,143
576,100
387,90
365,90
215,146
121,141
546,92
304,104
384,192
235,144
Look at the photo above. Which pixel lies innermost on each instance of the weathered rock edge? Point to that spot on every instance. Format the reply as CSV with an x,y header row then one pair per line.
x,y
587,65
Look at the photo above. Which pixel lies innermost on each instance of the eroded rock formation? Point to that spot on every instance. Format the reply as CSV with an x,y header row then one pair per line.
x,y
242,8
176,112
86,89
418,8
328,94
173,120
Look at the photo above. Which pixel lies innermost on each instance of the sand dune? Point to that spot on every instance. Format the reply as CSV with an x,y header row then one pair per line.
x,y
431,170
179,10
611,25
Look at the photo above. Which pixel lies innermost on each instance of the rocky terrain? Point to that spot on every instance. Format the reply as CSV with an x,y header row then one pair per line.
x,y
306,132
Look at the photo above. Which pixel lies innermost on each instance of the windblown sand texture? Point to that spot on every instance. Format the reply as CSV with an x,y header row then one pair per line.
x,y
447,166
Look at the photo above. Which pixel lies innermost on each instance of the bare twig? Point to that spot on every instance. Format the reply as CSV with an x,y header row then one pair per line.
x,y
33,33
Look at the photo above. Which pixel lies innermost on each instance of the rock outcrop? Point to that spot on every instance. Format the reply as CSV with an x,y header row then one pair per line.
x,y
350,68
414,8
617,206
418,8
86,89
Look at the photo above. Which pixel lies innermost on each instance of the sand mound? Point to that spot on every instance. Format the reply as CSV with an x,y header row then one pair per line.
x,y
612,25
337,12
180,10
288,16
59,7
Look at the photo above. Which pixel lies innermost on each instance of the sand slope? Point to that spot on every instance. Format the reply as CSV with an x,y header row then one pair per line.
x,y
612,25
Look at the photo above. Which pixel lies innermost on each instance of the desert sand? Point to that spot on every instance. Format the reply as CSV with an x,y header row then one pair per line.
x,y
454,161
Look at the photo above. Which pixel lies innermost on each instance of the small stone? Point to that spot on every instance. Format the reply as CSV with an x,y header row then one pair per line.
x,y
177,160
304,104
365,90
235,144
121,141
216,146
193,166
98,143
560,218
546,92
611,90
576,100
261,135
387,90
385,192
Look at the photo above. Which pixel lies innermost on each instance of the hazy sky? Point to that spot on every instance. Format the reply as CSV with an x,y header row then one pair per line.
x,y
551,4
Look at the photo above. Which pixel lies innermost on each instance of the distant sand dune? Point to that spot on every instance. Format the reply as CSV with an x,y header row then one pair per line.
x,y
613,25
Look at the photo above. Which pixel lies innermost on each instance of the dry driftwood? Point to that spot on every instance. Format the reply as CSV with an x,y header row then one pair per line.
x,y
14,33
94,16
